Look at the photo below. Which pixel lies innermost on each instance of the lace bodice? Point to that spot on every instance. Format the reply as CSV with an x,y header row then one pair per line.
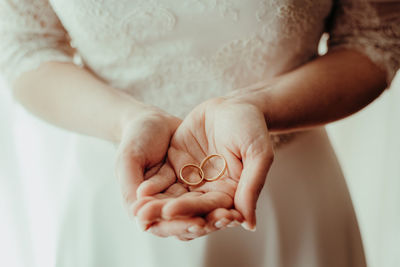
x,y
175,54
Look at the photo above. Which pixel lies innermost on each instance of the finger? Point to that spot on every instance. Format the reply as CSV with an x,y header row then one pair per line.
x,y
251,182
151,211
218,219
221,218
157,183
237,216
153,170
196,205
129,171
138,204
181,228
175,190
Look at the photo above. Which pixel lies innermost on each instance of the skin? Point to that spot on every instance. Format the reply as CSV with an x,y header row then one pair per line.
x,y
73,98
218,126
326,89
152,145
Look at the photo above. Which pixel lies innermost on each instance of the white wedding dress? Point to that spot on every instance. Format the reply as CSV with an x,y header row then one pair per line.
x,y
176,54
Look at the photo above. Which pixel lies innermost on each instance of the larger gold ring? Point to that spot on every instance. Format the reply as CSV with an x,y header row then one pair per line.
x,y
220,173
200,172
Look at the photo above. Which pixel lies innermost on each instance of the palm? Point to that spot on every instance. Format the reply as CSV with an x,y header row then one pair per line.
x,y
205,132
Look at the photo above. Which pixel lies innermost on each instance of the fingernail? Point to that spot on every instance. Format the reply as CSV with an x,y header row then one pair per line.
x,y
194,229
221,223
233,224
140,226
246,226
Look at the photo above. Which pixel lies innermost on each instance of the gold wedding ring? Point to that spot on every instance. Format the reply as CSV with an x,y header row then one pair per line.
x,y
220,173
201,172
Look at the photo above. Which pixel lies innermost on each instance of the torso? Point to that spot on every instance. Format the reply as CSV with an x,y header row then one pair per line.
x,y
175,54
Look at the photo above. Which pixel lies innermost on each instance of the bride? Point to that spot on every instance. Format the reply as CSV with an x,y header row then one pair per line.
x,y
172,82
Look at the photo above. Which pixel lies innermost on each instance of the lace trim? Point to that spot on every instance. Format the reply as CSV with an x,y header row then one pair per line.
x,y
31,35
148,22
226,8
358,25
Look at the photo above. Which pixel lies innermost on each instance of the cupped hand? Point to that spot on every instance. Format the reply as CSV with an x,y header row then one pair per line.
x,y
143,148
234,129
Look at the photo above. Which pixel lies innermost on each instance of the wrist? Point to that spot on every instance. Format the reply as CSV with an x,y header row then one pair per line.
x,y
142,113
258,96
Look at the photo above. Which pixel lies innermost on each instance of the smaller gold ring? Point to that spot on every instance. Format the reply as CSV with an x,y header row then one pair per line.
x,y
195,166
220,174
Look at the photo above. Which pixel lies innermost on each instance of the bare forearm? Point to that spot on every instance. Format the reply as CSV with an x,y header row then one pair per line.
x,y
326,89
73,98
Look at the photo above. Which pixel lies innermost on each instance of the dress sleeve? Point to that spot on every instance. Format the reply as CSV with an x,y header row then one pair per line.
x,y
370,26
30,34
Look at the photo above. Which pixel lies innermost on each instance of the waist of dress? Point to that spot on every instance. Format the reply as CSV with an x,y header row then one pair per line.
x,y
282,139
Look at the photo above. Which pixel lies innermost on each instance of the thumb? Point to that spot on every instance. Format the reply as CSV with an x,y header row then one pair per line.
x,y
252,179
129,170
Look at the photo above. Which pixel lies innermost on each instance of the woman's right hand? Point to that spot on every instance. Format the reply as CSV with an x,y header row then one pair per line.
x,y
144,143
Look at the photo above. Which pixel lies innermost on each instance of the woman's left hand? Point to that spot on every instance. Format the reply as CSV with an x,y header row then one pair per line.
x,y
237,131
